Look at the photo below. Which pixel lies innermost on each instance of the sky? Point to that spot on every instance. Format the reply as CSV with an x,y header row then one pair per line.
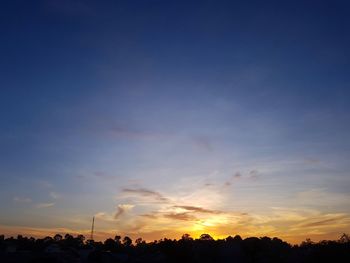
x,y
164,117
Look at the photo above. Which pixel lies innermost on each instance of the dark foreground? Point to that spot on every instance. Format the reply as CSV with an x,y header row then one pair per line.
x,y
205,249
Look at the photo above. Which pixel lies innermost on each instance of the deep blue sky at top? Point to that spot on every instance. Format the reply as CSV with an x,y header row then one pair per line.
x,y
73,70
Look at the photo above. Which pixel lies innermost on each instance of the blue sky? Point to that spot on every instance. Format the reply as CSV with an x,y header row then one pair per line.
x,y
188,115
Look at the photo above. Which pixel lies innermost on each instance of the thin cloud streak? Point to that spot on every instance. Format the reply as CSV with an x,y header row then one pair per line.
x,y
143,192
22,199
198,209
185,216
322,222
44,205
54,195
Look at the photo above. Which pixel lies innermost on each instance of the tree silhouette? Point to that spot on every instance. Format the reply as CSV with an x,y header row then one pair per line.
x,y
139,241
57,237
127,241
202,250
117,239
344,238
110,244
186,237
206,237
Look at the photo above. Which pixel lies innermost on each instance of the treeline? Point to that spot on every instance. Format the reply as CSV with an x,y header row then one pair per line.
x,y
204,249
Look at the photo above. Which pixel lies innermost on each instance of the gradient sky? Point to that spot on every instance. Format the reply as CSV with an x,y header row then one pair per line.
x,y
164,117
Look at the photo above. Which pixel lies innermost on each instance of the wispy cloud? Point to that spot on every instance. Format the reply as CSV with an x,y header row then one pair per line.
x,y
54,195
250,175
234,177
198,209
182,212
237,175
323,222
143,192
44,205
103,216
151,215
122,209
185,216
22,199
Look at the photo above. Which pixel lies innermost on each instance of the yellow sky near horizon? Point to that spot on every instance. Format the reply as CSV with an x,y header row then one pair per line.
x,y
153,215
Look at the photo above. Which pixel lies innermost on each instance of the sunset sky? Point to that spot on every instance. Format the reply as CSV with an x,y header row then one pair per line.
x,y
164,117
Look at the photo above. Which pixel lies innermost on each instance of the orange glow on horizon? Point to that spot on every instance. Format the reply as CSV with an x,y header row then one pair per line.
x,y
151,236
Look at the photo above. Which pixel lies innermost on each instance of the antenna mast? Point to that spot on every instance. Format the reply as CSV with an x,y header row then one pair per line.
x,y
92,228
